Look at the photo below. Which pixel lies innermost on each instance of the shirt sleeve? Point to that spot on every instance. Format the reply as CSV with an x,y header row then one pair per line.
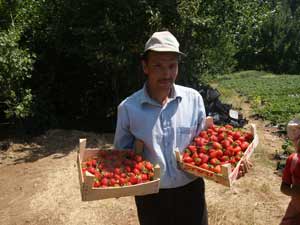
x,y
201,115
287,176
123,137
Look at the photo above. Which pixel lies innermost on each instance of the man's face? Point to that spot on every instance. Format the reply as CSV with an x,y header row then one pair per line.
x,y
161,68
297,144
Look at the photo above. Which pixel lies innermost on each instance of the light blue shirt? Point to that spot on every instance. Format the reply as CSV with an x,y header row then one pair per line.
x,y
162,129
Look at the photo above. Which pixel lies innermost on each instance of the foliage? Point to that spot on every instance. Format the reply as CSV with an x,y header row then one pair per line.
x,y
275,45
274,97
288,147
79,59
7,9
15,69
217,31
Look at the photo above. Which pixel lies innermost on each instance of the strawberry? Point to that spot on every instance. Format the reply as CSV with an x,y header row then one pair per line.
x,y
148,166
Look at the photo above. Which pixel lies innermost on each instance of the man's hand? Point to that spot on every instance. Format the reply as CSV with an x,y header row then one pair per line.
x,y
244,168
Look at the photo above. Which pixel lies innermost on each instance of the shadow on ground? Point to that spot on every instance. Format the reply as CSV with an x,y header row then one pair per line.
x,y
57,143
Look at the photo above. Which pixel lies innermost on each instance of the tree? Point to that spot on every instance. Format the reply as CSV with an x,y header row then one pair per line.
x,y
16,64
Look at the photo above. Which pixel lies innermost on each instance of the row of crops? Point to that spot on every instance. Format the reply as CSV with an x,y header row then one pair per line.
x,y
273,97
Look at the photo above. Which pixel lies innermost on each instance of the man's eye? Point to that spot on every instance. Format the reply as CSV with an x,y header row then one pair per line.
x,y
172,66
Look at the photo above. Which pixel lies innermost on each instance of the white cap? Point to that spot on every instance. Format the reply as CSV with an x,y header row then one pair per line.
x,y
163,41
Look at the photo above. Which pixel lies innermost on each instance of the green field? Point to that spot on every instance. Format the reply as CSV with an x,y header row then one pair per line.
x,y
273,97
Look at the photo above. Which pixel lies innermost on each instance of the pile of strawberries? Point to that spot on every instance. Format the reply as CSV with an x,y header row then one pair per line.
x,y
216,146
115,168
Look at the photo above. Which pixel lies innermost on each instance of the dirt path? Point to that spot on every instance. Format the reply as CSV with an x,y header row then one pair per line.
x,y
44,189
39,185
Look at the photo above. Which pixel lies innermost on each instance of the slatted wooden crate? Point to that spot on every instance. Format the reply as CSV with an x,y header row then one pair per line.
x,y
89,193
227,175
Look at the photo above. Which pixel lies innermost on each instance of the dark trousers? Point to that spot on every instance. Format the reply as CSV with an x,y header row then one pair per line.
x,y
176,206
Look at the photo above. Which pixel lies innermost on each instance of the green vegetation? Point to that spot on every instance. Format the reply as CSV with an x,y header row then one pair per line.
x,y
273,97
68,64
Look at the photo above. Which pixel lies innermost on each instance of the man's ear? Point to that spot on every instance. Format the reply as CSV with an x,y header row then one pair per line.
x,y
145,66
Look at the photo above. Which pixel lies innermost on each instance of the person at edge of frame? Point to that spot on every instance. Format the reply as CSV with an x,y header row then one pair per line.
x,y
290,184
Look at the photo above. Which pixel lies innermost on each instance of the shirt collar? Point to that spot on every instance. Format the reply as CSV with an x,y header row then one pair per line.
x,y
145,98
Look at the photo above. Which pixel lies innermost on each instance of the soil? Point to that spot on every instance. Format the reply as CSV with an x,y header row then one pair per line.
x,y
39,184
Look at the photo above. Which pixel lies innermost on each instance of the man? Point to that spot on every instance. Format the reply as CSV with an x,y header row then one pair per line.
x,y
165,116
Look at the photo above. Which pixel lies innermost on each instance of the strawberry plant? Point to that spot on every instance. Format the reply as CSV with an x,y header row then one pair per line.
x,y
273,97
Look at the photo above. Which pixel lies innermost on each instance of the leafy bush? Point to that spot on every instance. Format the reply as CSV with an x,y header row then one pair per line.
x,y
15,69
72,62
275,45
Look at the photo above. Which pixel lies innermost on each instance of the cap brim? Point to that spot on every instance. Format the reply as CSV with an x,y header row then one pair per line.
x,y
165,50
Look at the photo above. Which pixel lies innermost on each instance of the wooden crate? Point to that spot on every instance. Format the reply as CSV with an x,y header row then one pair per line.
x,y
89,193
227,176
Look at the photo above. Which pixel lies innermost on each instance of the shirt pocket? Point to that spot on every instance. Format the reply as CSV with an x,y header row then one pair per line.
x,y
184,136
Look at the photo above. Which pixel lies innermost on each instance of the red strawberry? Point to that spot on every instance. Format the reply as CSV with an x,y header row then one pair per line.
x,y
148,166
